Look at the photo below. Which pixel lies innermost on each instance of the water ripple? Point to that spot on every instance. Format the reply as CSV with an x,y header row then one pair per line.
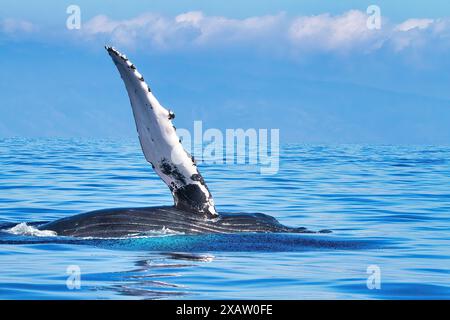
x,y
387,206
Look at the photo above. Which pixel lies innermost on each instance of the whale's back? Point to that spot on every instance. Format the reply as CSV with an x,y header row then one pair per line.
x,y
139,221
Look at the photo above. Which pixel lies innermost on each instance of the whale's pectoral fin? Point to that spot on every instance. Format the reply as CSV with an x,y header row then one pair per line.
x,y
160,143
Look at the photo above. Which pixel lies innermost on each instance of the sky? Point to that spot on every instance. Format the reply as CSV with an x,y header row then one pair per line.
x,y
313,69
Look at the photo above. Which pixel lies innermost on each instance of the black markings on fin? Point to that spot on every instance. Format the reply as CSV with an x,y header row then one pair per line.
x,y
170,170
189,198
198,177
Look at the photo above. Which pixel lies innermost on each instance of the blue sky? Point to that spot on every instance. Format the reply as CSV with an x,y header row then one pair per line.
x,y
310,68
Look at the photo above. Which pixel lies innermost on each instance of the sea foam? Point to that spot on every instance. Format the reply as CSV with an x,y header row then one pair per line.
x,y
26,230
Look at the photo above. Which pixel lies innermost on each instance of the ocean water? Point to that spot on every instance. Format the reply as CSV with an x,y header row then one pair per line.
x,y
388,208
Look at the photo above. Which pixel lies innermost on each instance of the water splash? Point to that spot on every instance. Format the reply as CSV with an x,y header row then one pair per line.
x,y
25,230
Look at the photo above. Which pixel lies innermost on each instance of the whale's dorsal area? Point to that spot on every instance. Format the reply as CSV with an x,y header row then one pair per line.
x,y
160,144
122,222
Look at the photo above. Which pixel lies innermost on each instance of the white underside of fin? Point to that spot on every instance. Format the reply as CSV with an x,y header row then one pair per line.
x,y
160,143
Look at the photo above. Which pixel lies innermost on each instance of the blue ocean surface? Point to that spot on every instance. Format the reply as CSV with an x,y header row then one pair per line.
x,y
388,208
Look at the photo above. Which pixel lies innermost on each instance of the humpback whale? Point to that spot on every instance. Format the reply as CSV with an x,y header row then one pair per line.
x,y
193,211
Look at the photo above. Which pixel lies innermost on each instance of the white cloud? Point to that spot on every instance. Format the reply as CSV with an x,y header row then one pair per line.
x,y
272,32
421,34
221,30
16,26
413,24
100,24
279,33
191,29
192,17
334,33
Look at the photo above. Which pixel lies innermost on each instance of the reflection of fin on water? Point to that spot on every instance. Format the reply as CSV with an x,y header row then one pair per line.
x,y
190,256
